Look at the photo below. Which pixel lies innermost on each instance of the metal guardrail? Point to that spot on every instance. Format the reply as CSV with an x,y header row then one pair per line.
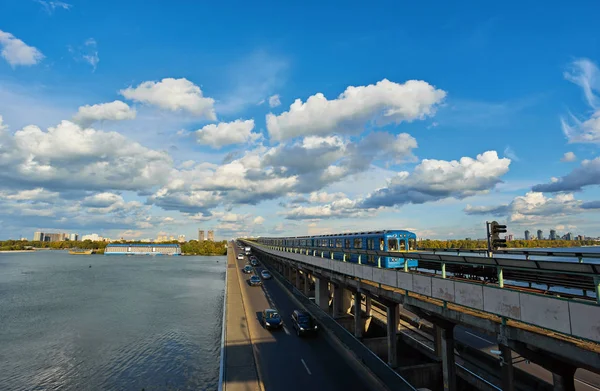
x,y
223,333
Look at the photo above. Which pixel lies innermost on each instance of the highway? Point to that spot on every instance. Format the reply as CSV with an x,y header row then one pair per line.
x,y
584,380
285,361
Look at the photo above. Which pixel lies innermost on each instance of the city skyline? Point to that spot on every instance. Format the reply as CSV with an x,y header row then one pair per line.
x,y
427,125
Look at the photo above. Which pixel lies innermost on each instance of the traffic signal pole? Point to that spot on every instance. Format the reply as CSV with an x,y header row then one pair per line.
x,y
489,239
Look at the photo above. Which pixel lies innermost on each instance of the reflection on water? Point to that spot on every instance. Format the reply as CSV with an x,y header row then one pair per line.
x,y
126,323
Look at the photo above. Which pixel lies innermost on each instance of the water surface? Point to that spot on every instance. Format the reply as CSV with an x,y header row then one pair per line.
x,y
126,323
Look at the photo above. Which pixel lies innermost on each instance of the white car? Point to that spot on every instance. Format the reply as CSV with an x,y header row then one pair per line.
x,y
240,257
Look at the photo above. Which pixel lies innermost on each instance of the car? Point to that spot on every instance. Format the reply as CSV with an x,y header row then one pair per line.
x,y
271,319
247,269
303,323
255,281
265,275
240,257
254,262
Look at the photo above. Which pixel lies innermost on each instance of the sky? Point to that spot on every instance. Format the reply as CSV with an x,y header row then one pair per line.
x,y
139,118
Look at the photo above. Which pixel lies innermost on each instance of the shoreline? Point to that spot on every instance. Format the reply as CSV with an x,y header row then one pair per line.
x,y
17,251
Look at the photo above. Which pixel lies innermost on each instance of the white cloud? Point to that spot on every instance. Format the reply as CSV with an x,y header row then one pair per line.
x,y
381,103
324,197
340,208
274,101
587,174
585,74
227,133
258,220
113,111
91,53
568,157
50,6
17,52
433,180
69,157
173,94
535,207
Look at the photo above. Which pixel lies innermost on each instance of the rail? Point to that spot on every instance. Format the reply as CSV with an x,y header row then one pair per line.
x,y
578,275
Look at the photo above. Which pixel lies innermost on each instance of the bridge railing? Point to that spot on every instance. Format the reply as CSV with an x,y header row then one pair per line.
x,y
577,318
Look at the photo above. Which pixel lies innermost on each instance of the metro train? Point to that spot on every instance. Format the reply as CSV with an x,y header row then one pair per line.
x,y
392,241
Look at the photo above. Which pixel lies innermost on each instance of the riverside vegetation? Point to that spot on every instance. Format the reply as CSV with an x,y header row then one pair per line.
x,y
193,247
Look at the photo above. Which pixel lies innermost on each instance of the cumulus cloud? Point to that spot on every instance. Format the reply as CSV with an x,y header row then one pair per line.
x,y
340,208
258,220
113,111
69,157
585,74
17,52
227,133
568,157
433,180
274,101
174,95
382,103
535,207
587,174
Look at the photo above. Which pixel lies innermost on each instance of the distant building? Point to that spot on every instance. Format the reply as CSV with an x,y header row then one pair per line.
x,y
181,239
580,237
200,235
540,234
49,237
527,235
73,237
509,237
552,234
568,236
93,238
211,236
38,236
162,238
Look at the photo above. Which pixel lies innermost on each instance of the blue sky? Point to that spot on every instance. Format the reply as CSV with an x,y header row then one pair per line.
x,y
138,118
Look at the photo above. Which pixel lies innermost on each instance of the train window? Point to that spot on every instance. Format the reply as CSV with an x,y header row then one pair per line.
x,y
392,244
338,243
402,245
357,242
381,244
412,244
346,243
331,243
370,244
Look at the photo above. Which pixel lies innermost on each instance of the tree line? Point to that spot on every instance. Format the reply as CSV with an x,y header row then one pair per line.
x,y
193,247
482,244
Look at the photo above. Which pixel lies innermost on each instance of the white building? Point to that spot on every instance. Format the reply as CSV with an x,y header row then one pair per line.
x,y
93,238
73,237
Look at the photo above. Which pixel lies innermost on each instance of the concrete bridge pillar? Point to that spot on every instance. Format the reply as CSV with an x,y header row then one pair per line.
x,y
368,305
358,323
437,340
322,293
448,364
306,284
565,380
296,278
393,315
508,374
337,300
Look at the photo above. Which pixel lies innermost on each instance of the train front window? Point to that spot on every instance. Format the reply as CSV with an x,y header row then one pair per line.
x,y
393,244
412,244
402,245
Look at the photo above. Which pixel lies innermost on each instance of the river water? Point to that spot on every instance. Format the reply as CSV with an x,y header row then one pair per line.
x,y
126,323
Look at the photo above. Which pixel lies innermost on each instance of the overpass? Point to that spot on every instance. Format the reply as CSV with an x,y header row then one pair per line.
x,y
557,330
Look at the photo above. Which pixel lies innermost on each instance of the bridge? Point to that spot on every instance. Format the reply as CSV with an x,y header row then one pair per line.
x,y
534,337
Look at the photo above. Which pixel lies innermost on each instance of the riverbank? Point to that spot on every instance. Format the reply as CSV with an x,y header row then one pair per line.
x,y
17,251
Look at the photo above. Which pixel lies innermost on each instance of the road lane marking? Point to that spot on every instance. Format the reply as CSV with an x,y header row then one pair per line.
x,y
477,336
286,330
587,384
305,366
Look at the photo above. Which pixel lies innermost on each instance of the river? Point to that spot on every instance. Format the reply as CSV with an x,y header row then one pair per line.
x,y
125,323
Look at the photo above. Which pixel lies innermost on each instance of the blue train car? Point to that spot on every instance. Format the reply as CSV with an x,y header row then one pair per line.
x,y
399,241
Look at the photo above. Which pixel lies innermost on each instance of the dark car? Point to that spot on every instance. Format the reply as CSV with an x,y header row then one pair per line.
x,y
271,319
247,269
254,262
265,274
303,323
255,281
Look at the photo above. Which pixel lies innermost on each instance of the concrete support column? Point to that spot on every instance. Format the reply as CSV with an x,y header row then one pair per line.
x,y
448,364
357,316
306,284
437,340
346,301
564,381
392,338
337,300
368,305
297,279
508,373
322,293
